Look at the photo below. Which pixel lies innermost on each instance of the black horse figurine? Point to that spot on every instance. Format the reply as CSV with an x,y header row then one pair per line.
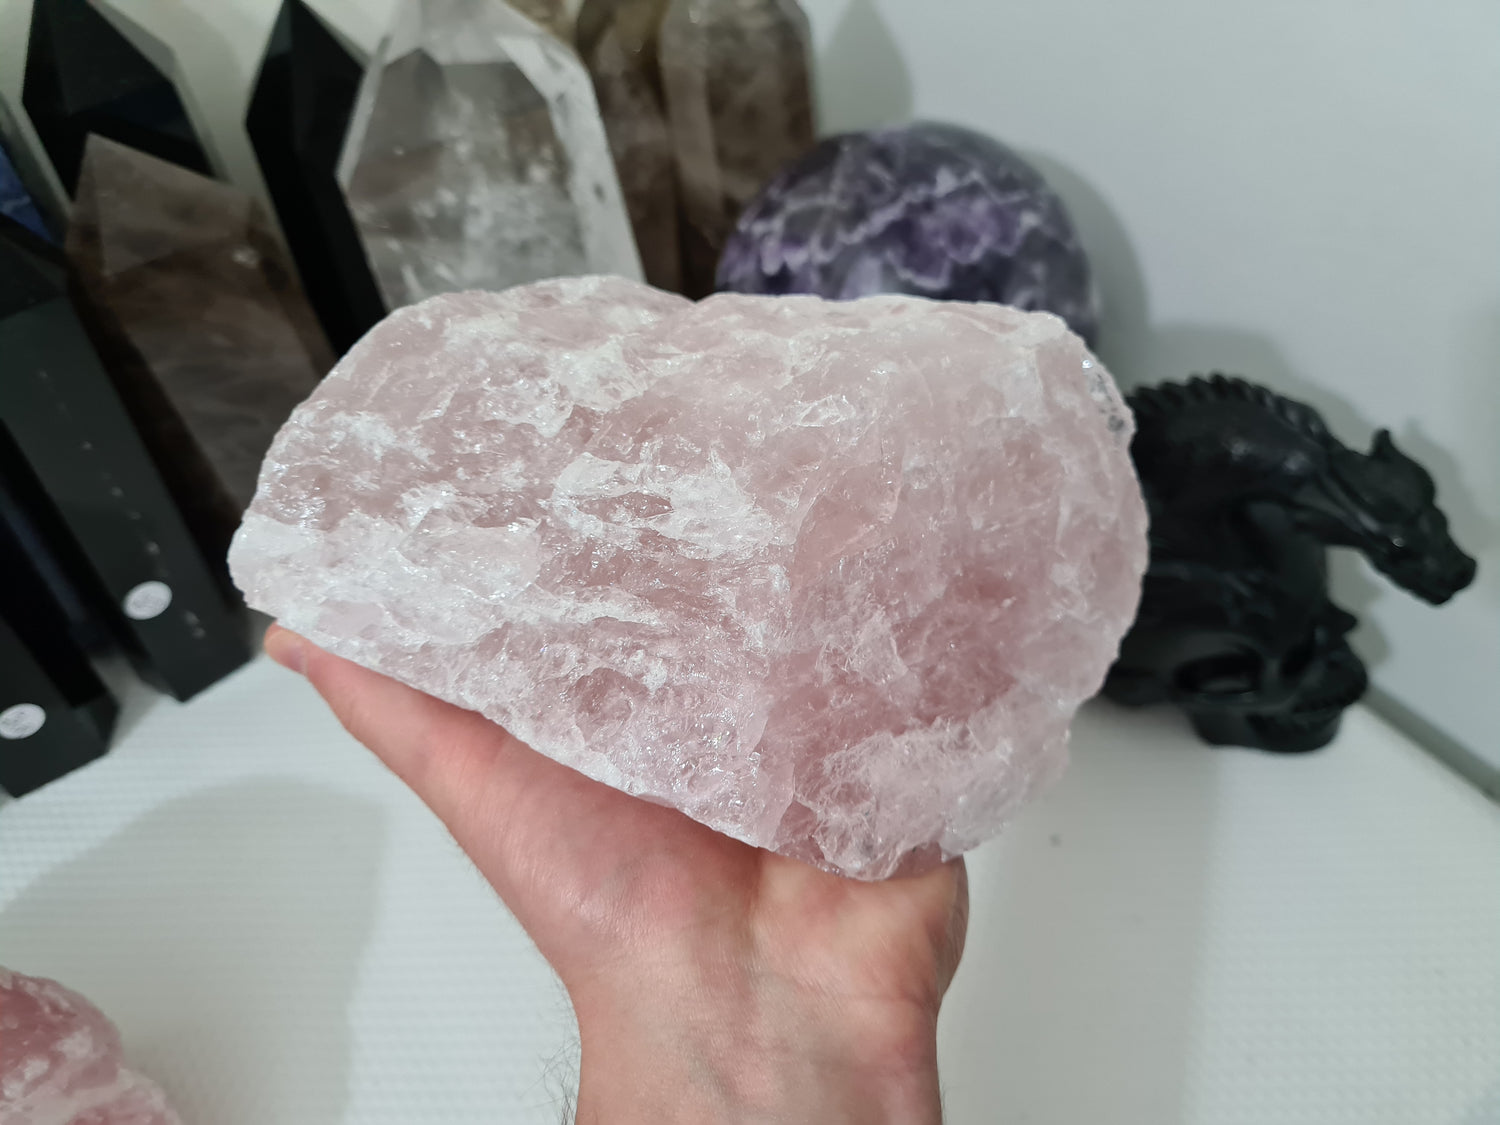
x,y
1246,490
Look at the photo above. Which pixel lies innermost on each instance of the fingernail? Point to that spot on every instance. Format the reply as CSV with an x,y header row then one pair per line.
x,y
287,649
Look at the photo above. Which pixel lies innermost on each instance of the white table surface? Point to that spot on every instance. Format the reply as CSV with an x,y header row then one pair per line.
x,y
1173,934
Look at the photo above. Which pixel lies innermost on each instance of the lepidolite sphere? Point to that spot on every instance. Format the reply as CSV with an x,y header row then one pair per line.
x,y
927,209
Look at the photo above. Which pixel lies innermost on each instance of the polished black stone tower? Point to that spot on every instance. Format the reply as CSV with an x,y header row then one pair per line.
x,y
299,112
161,599
82,76
55,713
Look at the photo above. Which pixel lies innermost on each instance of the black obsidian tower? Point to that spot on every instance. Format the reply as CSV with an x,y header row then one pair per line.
x,y
55,713
67,423
299,112
82,76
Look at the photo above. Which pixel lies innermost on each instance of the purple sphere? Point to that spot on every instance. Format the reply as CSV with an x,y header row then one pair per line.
x,y
927,209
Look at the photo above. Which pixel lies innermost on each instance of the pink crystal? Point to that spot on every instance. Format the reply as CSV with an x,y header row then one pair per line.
x,y
831,578
60,1062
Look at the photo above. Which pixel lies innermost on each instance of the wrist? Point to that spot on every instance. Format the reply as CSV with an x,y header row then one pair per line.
x,y
685,1044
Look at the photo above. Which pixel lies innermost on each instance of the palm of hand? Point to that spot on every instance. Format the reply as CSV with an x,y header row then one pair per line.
x,y
596,876
636,905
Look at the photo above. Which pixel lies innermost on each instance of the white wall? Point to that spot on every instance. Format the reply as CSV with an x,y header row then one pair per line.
x,y
1305,192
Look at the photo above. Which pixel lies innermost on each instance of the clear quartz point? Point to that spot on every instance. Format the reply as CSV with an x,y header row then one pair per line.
x,y
476,158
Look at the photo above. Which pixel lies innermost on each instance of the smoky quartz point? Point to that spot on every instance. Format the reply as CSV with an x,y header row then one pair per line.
x,y
200,319
739,98
617,41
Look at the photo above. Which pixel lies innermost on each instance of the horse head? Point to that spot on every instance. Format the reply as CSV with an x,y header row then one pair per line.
x,y
1384,504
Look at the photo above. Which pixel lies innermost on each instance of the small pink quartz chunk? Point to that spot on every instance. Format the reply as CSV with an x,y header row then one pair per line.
x,y
60,1062
830,578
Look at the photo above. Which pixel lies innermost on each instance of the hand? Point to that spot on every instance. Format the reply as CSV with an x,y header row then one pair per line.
x,y
713,981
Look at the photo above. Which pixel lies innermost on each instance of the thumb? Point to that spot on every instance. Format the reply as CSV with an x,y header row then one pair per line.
x,y
468,770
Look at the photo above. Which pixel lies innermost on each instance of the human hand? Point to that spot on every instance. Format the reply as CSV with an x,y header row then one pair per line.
x,y
713,981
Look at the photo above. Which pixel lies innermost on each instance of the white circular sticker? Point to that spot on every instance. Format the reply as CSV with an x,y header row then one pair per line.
x,y
21,721
147,600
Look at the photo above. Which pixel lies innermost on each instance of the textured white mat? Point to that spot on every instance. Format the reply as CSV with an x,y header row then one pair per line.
x,y
1174,934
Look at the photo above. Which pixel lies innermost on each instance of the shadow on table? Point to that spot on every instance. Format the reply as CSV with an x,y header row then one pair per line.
x,y
222,932
1075,1000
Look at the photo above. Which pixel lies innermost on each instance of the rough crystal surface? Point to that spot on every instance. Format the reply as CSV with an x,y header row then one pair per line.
x,y
829,577
476,157
929,209
61,1063
200,318
617,42
739,98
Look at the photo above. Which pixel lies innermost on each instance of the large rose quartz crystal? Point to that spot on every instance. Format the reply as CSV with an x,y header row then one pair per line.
x,y
831,578
60,1062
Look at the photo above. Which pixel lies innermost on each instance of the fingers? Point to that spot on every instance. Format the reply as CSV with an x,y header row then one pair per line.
x,y
585,868
952,951
469,771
